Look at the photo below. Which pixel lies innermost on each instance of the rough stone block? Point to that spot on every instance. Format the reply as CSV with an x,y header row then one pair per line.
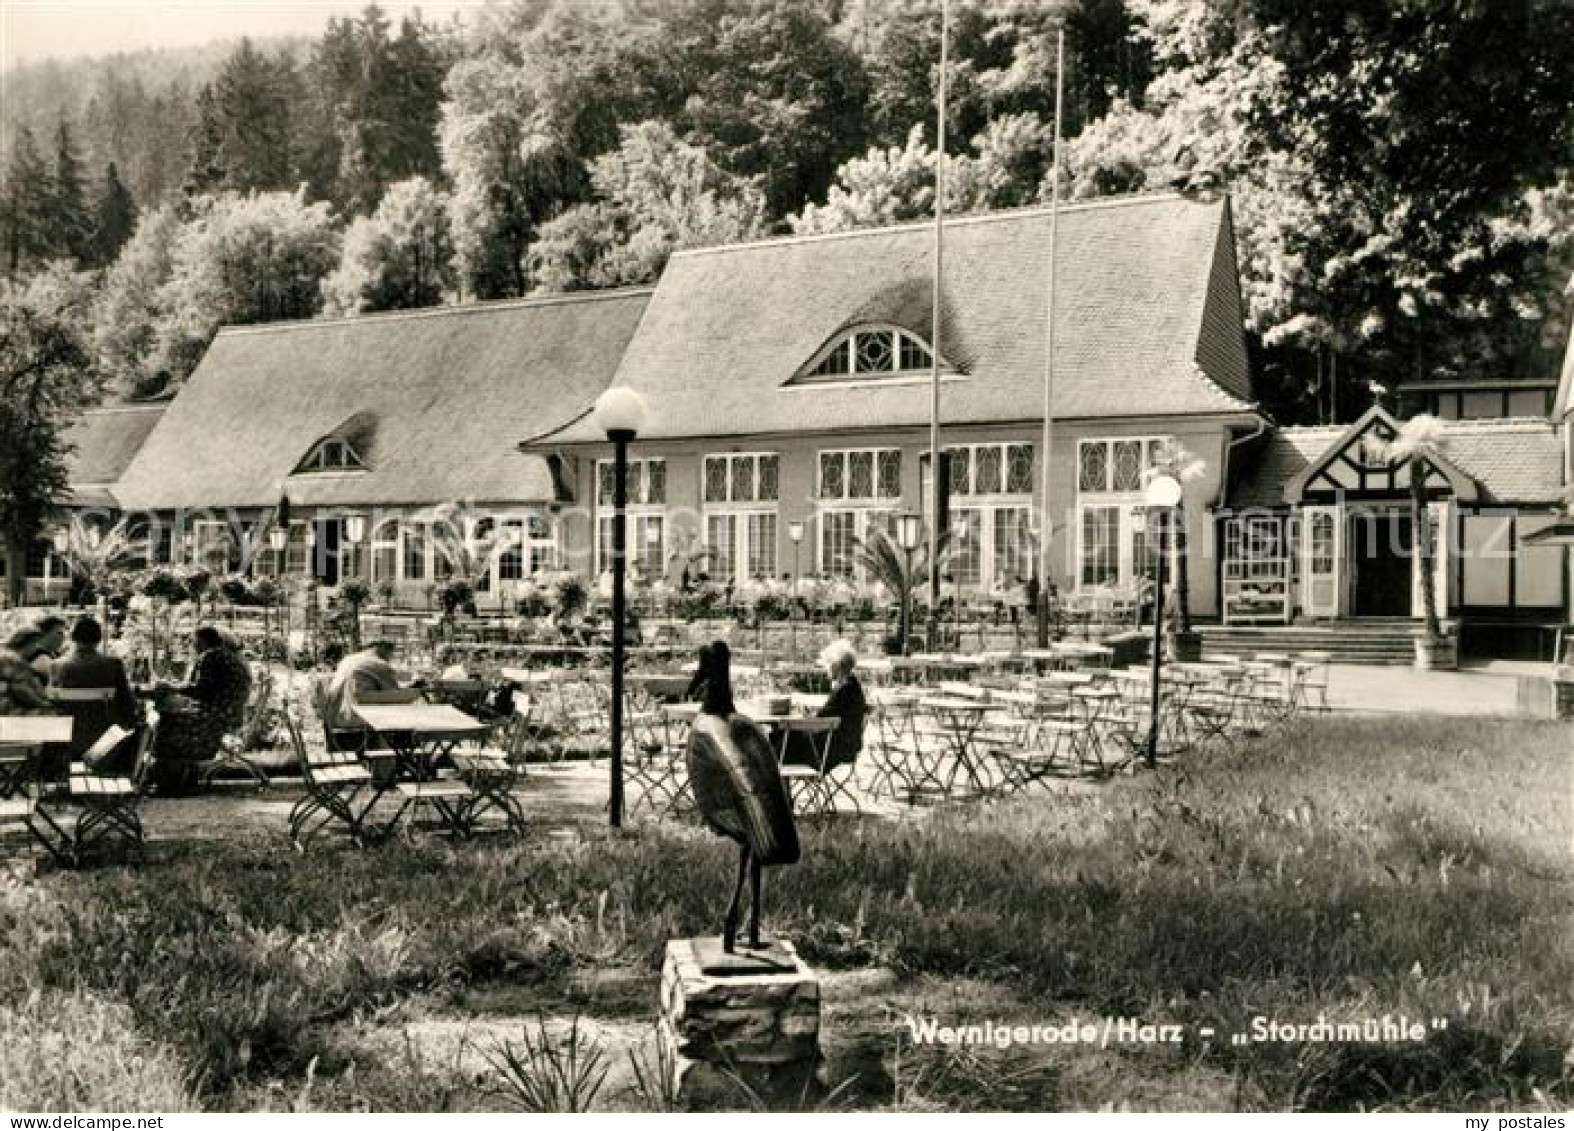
x,y
739,1041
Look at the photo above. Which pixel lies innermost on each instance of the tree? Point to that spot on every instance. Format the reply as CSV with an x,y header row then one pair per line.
x,y
251,100
656,195
238,260
1422,444
768,89
127,320
46,375
26,207
70,222
1002,62
510,169
114,219
373,103
205,170
895,185
399,258
1383,162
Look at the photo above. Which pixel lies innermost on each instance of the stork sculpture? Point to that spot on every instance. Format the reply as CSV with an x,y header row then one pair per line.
x,y
738,788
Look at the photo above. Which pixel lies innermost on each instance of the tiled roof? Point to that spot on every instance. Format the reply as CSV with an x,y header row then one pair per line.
x,y
1515,460
437,401
1148,322
103,442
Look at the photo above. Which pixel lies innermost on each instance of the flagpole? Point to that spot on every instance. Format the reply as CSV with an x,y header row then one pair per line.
x,y
934,337
1046,446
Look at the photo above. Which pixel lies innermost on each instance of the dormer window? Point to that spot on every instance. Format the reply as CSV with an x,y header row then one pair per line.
x,y
869,352
332,454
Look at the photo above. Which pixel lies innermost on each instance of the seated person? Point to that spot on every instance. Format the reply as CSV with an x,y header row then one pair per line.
x,y
88,668
846,703
21,690
194,718
53,629
370,669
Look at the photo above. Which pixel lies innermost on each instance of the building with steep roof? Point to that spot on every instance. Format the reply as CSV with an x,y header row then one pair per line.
x,y
789,382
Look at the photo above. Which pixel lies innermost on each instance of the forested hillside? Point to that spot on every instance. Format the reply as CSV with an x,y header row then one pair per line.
x,y
1402,175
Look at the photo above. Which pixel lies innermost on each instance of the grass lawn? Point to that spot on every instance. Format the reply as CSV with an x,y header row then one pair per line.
x,y
1352,869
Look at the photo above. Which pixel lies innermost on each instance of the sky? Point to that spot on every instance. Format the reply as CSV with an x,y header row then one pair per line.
x,y
32,30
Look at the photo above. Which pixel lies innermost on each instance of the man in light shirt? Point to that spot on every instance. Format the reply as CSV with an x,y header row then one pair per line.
x,y
370,669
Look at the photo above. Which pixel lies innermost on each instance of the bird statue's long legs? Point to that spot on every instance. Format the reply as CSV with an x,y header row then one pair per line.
x,y
755,869
729,931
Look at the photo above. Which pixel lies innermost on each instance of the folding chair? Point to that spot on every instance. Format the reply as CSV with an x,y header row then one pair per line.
x,y
89,710
334,780
20,811
109,804
1311,672
492,771
451,800
654,765
817,794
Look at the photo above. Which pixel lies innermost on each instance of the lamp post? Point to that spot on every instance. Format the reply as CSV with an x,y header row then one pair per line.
x,y
795,536
1162,495
354,531
278,540
620,412
909,536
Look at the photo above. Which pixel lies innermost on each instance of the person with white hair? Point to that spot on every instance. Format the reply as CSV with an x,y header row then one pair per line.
x,y
846,704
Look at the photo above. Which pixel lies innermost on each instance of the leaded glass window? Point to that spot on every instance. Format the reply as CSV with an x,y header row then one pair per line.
x,y
890,467
647,482
986,470
863,474
1019,469
961,470
831,467
715,479
860,475
1128,465
1093,467
1117,465
873,352
769,475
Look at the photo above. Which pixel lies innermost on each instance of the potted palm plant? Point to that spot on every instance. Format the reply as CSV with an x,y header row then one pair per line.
x,y
1421,443
95,556
903,575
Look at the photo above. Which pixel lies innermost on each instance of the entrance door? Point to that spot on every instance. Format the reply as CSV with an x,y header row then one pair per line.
x,y
1381,549
1322,552
326,551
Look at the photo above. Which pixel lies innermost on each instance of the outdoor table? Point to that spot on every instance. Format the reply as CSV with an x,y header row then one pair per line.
x,y
1097,707
20,738
667,687
419,733
959,719
525,677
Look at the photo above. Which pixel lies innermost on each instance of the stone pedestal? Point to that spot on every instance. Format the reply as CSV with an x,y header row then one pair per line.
x,y
741,1038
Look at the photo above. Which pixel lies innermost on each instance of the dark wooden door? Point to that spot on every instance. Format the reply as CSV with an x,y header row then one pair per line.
x,y
1381,548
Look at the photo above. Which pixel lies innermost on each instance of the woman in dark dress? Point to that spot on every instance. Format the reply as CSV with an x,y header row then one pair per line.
x,y
846,704
194,718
